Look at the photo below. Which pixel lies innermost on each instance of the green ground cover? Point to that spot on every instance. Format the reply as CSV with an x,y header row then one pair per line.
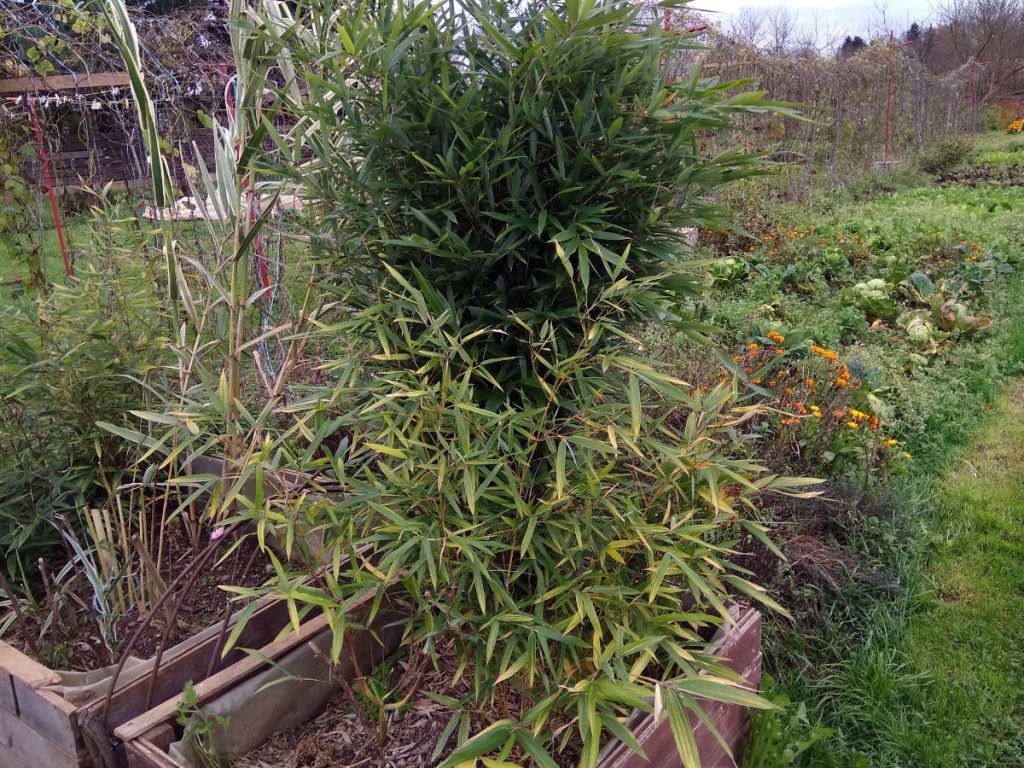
x,y
906,652
918,665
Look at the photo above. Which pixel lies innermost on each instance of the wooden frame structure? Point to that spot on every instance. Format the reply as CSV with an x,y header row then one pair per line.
x,y
40,727
147,737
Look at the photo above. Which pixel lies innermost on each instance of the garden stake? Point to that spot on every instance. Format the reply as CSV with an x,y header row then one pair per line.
x,y
190,575
26,635
49,187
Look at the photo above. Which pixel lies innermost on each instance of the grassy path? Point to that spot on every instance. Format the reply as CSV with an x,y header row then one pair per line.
x,y
969,636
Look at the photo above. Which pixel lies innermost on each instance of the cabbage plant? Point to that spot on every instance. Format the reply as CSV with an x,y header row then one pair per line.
x,y
873,298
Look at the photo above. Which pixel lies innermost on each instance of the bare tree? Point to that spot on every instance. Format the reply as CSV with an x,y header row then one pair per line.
x,y
987,35
747,26
780,28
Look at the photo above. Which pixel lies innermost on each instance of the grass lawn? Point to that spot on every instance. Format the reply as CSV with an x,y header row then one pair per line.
x,y
920,667
76,230
968,637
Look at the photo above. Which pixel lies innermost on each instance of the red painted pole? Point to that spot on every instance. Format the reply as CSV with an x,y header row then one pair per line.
x,y
49,187
974,96
888,98
888,101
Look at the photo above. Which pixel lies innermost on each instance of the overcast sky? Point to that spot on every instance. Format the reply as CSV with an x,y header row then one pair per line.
x,y
846,16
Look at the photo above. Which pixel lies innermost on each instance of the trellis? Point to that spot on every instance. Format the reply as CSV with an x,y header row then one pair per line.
x,y
848,101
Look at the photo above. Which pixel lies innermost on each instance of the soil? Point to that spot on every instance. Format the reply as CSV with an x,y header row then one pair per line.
x,y
341,737
816,535
72,639
988,175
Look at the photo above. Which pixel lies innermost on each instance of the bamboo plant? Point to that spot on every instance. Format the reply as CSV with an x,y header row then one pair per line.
x,y
502,189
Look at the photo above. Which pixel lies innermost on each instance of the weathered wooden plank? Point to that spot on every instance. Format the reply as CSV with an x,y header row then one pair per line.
x,y
221,681
160,737
143,754
29,671
48,714
64,82
7,700
740,648
189,660
21,746
370,648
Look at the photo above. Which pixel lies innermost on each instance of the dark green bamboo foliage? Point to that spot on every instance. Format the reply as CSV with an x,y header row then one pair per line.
x,y
520,164
511,185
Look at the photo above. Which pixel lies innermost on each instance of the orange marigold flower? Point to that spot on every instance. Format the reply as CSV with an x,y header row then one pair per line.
x,y
841,383
874,422
776,337
752,345
748,369
828,354
755,381
809,382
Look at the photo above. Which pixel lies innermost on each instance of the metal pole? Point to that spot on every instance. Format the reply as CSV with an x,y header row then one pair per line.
x,y
888,101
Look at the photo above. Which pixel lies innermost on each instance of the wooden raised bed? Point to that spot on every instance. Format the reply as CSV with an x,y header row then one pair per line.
x,y
740,648
39,727
147,737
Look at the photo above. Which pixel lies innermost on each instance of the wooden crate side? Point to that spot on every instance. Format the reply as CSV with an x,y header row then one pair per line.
x,y
45,713
7,693
49,715
369,648
741,650
190,660
216,684
28,670
21,746
141,754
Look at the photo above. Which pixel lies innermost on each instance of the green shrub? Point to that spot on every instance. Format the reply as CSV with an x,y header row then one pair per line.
x,y
70,357
514,183
945,154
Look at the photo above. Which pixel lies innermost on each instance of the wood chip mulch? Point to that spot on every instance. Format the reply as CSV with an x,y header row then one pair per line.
x,y
341,738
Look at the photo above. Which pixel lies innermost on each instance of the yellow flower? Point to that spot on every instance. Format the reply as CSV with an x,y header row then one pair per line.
x,y
906,456
892,443
852,424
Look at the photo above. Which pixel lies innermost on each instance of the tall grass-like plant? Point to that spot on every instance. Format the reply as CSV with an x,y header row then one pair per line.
x,y
84,352
223,325
504,186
